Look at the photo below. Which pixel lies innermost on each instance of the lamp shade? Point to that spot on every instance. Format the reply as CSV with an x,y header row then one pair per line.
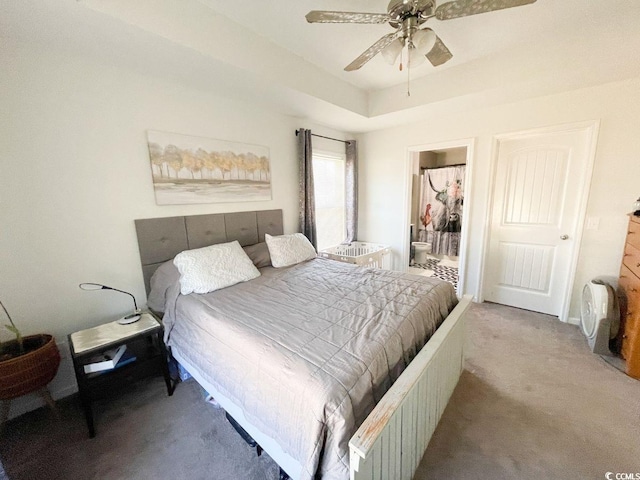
x,y
424,40
415,57
421,43
391,52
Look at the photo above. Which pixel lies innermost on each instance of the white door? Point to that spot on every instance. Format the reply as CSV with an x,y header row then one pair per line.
x,y
536,211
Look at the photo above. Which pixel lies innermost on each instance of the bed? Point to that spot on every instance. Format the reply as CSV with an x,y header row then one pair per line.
x,y
310,359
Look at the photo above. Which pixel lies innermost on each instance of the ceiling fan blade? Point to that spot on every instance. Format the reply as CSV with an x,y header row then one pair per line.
x,y
463,8
372,51
439,54
321,16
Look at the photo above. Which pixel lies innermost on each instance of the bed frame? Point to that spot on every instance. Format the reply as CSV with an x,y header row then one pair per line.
x,y
392,440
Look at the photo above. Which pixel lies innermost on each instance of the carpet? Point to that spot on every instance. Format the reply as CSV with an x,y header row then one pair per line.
x,y
142,434
532,403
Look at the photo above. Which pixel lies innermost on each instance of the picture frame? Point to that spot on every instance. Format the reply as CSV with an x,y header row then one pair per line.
x,y
189,169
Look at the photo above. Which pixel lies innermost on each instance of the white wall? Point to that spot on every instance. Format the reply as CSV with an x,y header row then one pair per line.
x,y
616,178
75,173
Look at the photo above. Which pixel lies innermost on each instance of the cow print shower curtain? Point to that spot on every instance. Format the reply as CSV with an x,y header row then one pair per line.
x,y
441,209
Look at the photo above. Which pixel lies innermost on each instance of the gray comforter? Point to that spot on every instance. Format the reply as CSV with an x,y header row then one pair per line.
x,y
308,350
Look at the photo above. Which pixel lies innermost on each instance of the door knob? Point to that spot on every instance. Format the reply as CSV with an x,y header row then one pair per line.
x,y
564,237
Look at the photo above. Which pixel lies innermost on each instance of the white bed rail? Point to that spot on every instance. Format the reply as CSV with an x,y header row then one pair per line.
x,y
392,440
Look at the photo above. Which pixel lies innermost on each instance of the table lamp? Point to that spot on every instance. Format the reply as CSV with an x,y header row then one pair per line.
x,y
127,319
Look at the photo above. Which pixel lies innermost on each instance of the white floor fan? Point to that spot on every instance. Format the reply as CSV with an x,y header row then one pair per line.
x,y
600,315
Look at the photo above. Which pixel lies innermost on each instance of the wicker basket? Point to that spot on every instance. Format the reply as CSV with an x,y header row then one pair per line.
x,y
31,371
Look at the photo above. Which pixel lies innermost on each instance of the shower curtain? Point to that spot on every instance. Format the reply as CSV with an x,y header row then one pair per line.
x,y
441,209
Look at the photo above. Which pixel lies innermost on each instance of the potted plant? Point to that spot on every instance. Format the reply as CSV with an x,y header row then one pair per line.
x,y
27,364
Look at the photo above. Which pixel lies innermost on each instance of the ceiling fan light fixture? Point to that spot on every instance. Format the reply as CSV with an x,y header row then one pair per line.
x,y
406,17
424,40
416,57
391,52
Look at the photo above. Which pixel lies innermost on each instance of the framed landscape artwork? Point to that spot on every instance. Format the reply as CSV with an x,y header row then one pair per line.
x,y
189,169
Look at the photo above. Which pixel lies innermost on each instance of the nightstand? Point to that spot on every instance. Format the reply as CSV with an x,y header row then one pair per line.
x,y
142,338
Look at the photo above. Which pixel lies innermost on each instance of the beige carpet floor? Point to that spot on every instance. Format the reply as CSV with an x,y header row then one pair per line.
x,y
533,403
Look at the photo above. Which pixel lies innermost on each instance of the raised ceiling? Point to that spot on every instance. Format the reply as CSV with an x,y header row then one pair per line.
x,y
333,46
265,51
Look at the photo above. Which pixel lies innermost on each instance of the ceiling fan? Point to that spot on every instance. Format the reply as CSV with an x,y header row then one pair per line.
x,y
407,18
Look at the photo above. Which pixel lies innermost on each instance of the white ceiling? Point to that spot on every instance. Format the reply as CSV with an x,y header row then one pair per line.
x,y
529,28
333,46
265,51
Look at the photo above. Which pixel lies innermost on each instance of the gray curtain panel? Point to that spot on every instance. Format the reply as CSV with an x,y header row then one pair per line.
x,y
351,194
307,203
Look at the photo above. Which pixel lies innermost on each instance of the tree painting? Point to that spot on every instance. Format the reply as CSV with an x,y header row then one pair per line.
x,y
187,169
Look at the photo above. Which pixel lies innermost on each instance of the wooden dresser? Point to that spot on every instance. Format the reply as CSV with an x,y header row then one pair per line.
x,y
630,284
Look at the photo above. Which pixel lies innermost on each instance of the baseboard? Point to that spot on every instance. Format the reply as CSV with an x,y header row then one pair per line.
x,y
63,385
573,321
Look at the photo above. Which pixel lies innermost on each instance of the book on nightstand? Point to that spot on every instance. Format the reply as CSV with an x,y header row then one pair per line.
x,y
127,358
106,360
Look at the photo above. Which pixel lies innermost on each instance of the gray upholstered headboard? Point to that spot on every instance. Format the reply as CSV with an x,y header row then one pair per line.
x,y
161,239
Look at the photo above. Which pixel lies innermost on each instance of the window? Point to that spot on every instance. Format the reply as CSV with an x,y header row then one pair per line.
x,y
328,180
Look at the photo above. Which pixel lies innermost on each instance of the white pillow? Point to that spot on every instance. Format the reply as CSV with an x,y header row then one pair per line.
x,y
286,250
204,270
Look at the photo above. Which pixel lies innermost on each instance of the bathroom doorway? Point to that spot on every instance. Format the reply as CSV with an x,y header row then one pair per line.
x,y
439,180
